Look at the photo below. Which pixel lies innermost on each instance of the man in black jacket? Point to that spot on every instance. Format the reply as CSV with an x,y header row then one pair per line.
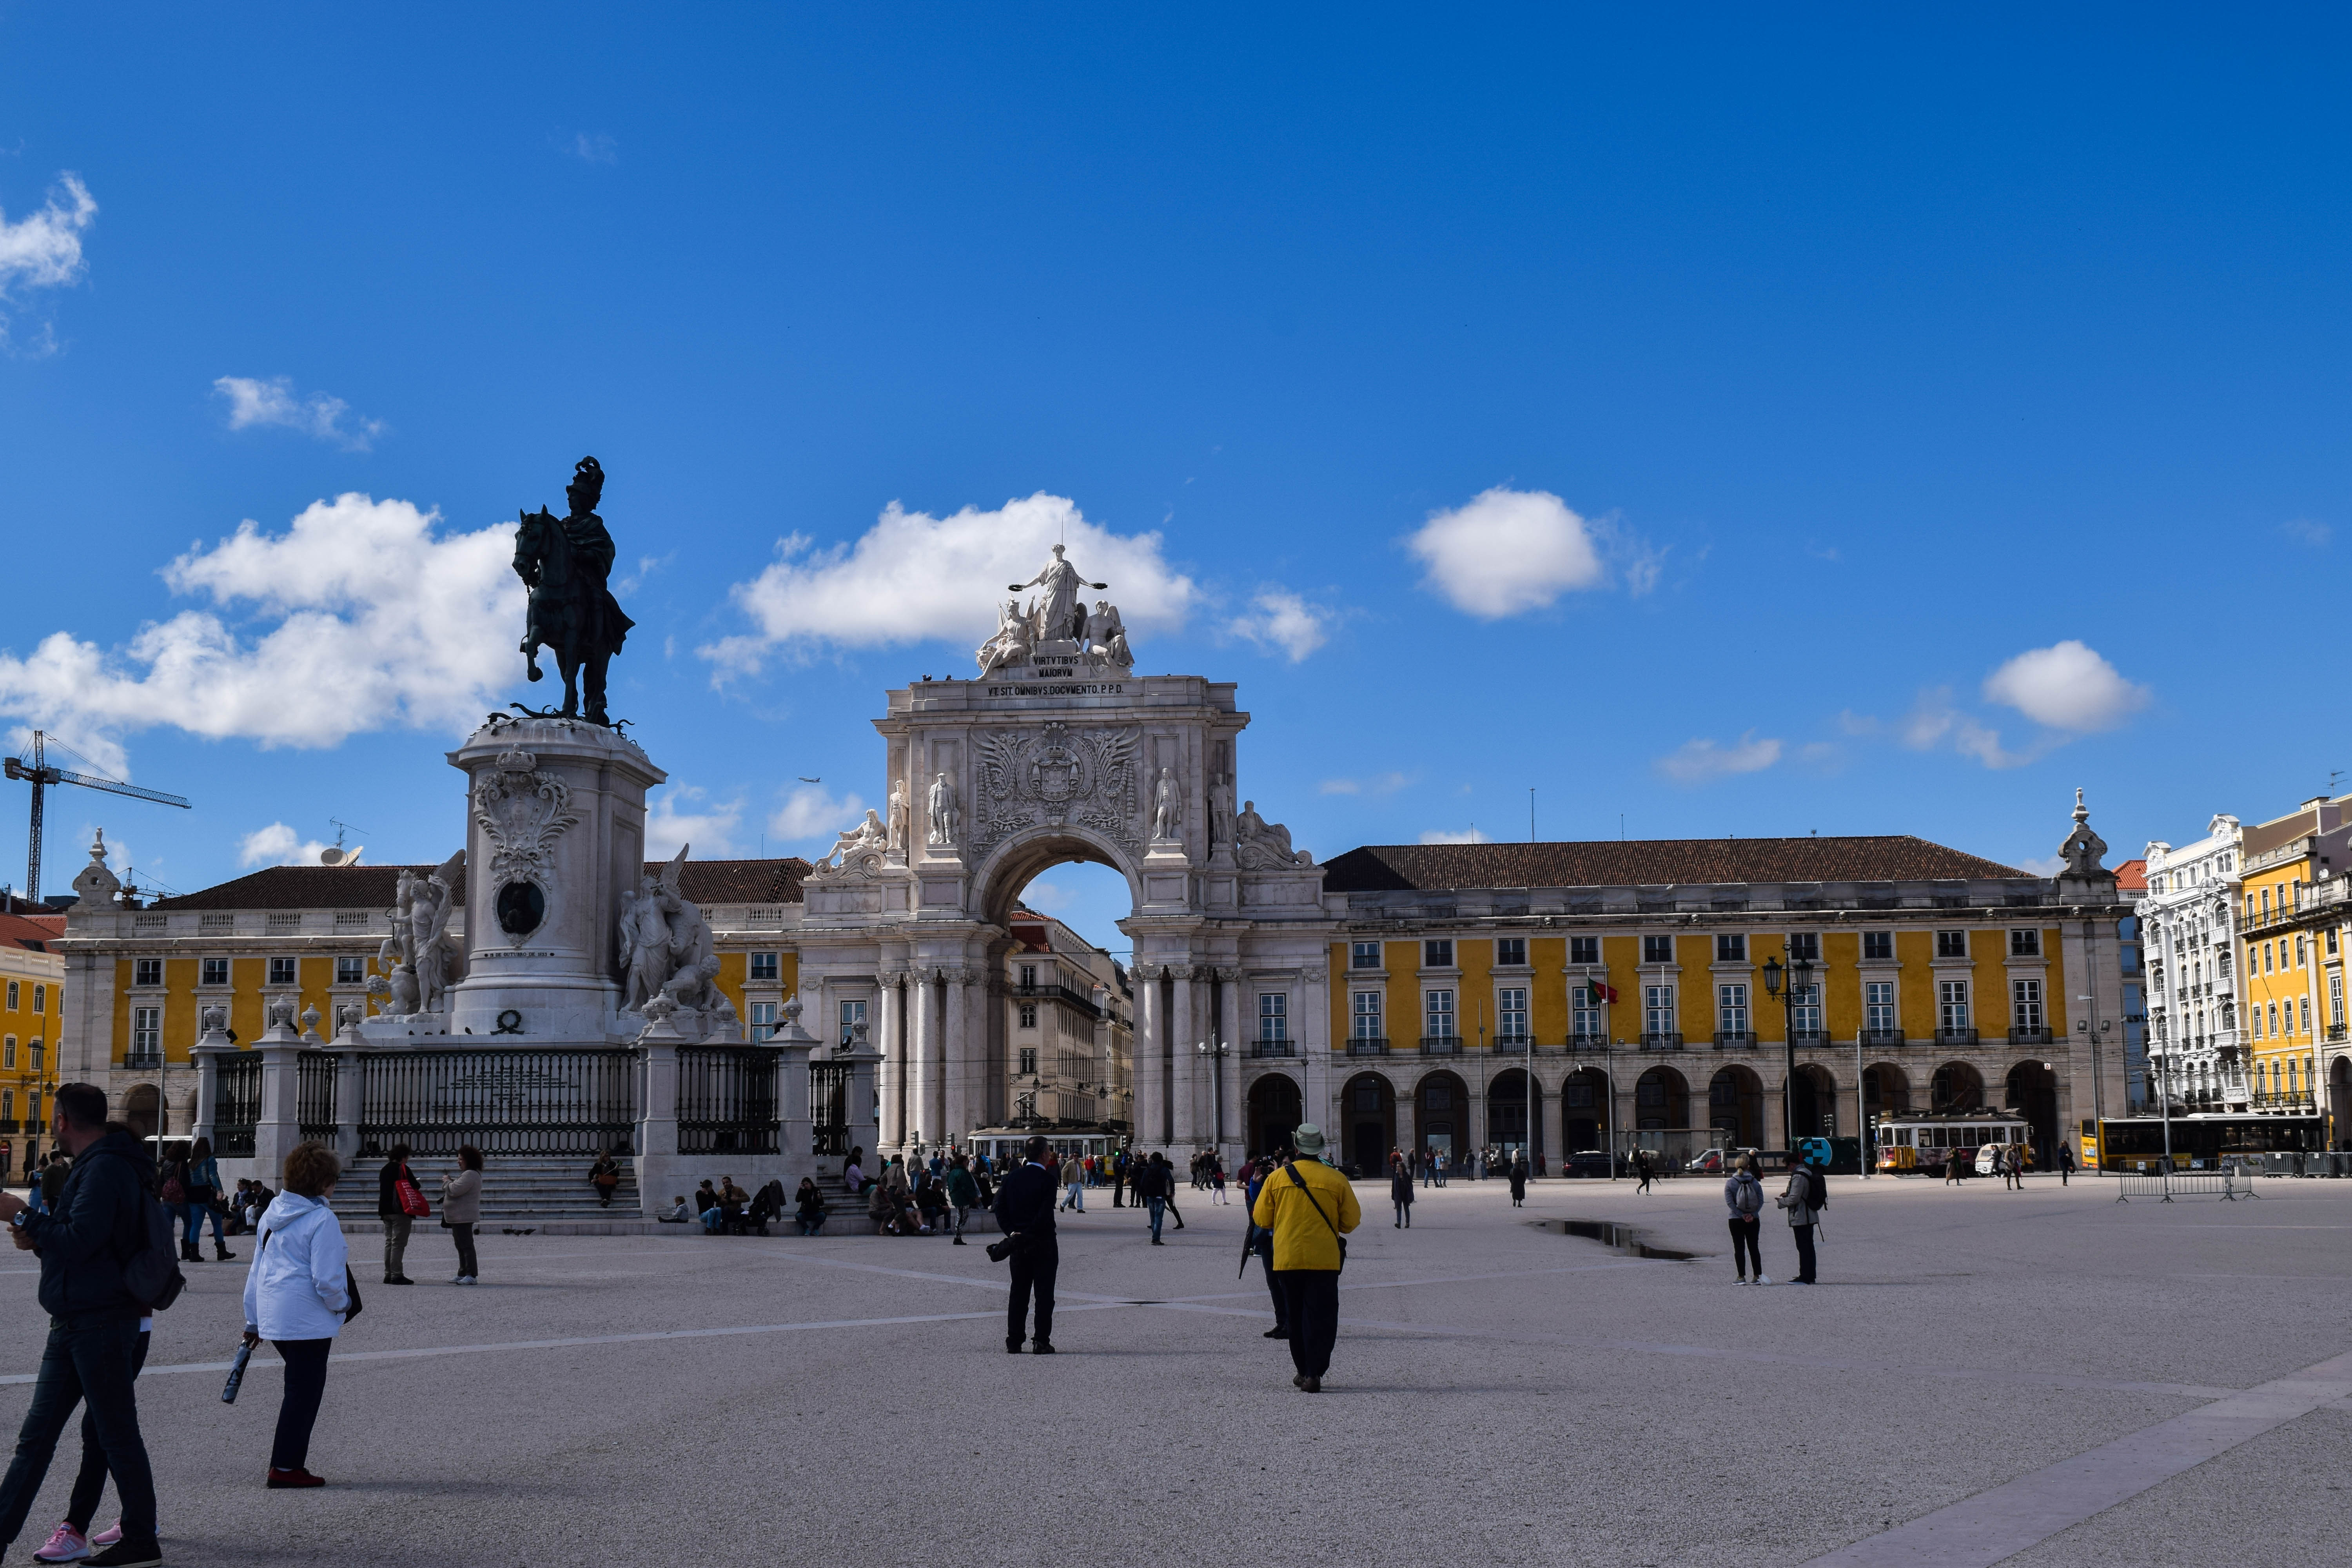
x,y
1024,1206
100,1221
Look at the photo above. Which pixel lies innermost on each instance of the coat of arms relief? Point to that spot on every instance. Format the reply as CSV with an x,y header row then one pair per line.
x,y
1055,775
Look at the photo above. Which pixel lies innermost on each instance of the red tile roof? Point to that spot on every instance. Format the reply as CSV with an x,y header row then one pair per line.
x,y
375,886
2131,877
34,932
1611,863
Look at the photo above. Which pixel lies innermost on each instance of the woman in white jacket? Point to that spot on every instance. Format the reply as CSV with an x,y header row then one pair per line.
x,y
296,1297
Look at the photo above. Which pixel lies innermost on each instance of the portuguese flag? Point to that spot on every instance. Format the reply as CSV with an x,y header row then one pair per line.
x,y
1602,990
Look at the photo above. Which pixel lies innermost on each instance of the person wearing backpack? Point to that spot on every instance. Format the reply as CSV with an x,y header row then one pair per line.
x,y
1310,1207
1743,1197
400,1204
92,1244
1807,1195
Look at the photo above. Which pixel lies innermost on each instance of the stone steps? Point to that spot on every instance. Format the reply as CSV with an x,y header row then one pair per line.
x,y
514,1191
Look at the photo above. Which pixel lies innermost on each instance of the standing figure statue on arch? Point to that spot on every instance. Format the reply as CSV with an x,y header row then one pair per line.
x,y
1057,615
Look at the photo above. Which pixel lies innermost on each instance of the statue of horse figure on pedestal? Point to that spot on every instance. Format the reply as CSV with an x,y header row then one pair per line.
x,y
565,561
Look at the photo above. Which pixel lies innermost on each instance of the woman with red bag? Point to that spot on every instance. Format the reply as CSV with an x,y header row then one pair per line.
x,y
400,1204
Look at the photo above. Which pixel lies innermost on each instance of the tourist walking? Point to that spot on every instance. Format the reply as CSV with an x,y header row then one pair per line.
x,y
461,1210
399,1199
1150,1184
1399,1194
1743,1194
604,1176
1310,1207
1217,1180
1804,1198
1074,1194
1024,1210
1118,1179
1952,1167
1641,1169
1519,1182
1168,1188
963,1194
2012,1165
97,1222
2066,1165
200,1186
1259,1241
297,1297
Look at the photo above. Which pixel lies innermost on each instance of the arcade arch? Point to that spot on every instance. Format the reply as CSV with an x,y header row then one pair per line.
x,y
1512,1123
1886,1090
1441,1121
1734,1106
2033,1094
1661,1101
1369,1103
1584,1111
1274,1112
1957,1086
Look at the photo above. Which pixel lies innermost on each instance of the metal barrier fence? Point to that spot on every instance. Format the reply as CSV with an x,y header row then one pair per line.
x,y
236,1105
314,1095
727,1099
2229,1186
829,1107
503,1101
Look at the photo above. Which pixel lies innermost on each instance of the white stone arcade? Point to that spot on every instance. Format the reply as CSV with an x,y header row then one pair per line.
x,y
1058,752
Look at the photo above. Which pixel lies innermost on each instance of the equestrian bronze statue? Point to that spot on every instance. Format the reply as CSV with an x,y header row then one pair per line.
x,y
565,562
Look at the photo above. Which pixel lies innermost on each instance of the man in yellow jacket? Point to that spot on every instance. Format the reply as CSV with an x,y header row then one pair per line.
x,y
1308,1207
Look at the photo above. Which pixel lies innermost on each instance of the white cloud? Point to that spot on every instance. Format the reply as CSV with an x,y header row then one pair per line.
x,y
594,147
375,621
272,402
1508,552
1470,834
2042,865
1379,784
277,844
1281,619
809,813
44,250
1046,897
913,576
2308,530
1696,761
1933,722
2066,685
710,831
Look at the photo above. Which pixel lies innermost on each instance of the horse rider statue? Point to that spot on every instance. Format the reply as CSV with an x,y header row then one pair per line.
x,y
565,562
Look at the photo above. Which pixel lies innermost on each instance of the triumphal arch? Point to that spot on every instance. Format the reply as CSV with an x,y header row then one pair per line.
x,y
1056,751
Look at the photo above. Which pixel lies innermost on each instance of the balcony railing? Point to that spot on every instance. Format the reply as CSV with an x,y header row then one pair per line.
x,y
2030,1037
1367,1046
1517,1045
1441,1045
1588,1042
1667,1040
1956,1036
1881,1037
136,1061
1735,1040
1809,1037
1082,1003
1271,1048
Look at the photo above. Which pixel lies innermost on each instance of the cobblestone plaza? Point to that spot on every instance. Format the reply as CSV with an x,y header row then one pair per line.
x,y
1992,1376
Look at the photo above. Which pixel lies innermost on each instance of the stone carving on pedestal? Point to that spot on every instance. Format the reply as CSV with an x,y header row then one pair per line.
x,y
1057,625
2082,848
1056,614
947,814
1055,775
522,809
97,882
213,1020
1009,646
898,814
1107,638
1221,811
420,955
858,853
667,946
1261,846
348,1017
1167,809
311,1026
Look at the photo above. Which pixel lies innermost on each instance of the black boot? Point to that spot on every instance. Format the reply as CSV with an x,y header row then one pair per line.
x,y
188,1253
221,1254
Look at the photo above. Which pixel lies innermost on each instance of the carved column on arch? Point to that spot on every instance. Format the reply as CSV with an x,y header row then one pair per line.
x,y
1312,1027
1149,1069
892,1067
1184,1061
923,1055
959,1068
1228,1084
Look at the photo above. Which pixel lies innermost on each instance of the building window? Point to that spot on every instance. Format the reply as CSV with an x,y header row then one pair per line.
x,y
144,971
1437,955
1951,944
1878,1006
1273,1015
767,966
1028,1015
1511,1013
1731,1009
1805,944
1657,949
1511,951
2025,945
7,1104
2266,957
1028,977
1365,1023
2274,1018
1365,955
40,998
1805,1010
281,972
2335,1001
763,1019
33,1106
1584,950
33,1054
1437,1014
146,1032
212,970
2307,1015
852,1013
1731,948
2025,1004
2301,945
1657,1009
1585,1020
1878,944
14,1003
2331,942
1028,1061
1952,1004
8,1056
351,970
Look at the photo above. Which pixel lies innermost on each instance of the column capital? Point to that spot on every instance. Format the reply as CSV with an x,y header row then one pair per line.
x,y
1228,972
1150,971
1183,971
891,977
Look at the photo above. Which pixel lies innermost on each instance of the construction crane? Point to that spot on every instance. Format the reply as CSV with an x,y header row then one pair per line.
x,y
40,775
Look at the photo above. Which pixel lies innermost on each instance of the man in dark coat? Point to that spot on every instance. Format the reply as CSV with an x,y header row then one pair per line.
x,y
1025,1208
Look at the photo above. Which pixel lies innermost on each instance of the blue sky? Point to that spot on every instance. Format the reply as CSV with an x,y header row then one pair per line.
x,y
1727,422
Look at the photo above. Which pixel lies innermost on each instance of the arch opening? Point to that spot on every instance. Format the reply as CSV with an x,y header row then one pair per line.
x,y
1370,1107
1441,1107
1957,1086
1584,1111
1274,1113
1735,1106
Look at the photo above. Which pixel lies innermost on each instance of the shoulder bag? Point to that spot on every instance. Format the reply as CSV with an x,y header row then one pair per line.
x,y
1298,1181
411,1197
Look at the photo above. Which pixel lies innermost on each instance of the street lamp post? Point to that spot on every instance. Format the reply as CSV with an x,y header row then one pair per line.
x,y
1216,1052
1799,977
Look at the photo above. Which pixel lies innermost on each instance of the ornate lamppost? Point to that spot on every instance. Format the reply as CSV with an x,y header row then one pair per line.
x,y
1216,1051
1800,977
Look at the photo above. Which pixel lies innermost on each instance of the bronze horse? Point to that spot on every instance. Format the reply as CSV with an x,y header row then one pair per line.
x,y
565,562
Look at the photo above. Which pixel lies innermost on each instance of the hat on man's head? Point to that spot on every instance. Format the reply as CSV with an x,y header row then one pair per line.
x,y
1307,1138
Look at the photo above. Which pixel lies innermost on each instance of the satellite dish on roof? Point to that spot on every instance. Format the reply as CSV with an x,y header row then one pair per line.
x,y
333,856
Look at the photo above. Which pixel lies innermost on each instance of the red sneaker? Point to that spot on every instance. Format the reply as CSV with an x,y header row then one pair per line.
x,y
297,1478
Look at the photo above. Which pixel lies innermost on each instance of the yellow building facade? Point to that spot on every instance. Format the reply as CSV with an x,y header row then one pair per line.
x,y
32,1017
2295,919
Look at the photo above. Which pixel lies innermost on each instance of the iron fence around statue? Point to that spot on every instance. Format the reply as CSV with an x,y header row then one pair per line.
x,y
501,1101
829,1107
237,1103
314,1095
727,1099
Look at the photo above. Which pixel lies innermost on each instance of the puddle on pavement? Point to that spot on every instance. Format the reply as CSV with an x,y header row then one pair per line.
x,y
1625,1238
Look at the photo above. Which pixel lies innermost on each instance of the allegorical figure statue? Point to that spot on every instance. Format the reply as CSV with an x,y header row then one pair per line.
x,y
897,816
565,562
947,816
419,957
1056,614
1009,646
1167,807
1106,637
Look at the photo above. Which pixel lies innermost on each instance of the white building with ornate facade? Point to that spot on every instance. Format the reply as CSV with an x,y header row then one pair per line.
x,y
2189,933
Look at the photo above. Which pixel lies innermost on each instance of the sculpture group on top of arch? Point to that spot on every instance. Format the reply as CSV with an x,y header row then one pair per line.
x,y
1056,624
